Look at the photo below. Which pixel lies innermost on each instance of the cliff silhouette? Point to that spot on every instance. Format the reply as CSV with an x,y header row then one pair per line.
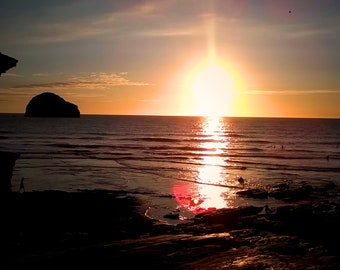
x,y
6,62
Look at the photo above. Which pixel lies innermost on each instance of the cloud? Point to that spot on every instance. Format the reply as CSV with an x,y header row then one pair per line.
x,y
84,85
120,18
9,74
289,92
87,81
169,32
148,100
153,18
40,75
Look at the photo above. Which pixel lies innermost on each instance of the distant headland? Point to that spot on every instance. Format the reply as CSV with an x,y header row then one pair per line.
x,y
6,62
48,104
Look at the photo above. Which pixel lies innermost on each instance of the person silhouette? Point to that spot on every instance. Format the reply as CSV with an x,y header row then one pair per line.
x,y
22,187
267,209
241,181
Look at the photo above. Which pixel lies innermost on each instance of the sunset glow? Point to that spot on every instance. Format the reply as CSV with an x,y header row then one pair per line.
x,y
213,90
222,58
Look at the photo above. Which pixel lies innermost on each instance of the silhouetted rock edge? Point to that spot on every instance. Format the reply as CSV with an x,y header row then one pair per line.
x,y
48,104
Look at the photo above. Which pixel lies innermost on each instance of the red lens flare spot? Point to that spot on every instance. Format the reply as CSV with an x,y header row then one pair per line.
x,y
189,198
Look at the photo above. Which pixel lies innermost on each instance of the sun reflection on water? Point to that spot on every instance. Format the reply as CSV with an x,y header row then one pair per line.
x,y
214,144
208,191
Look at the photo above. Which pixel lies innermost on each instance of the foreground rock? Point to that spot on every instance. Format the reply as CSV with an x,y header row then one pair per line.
x,y
7,163
106,229
51,105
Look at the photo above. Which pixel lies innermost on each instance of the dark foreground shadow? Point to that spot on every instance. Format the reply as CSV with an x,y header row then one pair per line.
x,y
100,229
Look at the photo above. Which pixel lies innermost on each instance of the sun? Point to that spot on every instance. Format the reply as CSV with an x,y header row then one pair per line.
x,y
213,88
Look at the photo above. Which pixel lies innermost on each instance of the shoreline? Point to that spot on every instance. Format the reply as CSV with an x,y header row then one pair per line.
x,y
103,228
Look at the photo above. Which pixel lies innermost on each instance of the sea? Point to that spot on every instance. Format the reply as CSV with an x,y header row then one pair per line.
x,y
177,166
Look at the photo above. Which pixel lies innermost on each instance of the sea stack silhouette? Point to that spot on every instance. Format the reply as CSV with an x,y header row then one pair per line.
x,y
48,104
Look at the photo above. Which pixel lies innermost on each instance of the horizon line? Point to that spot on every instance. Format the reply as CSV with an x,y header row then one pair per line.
x,y
200,116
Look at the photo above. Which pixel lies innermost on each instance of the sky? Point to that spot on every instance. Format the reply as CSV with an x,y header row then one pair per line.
x,y
263,58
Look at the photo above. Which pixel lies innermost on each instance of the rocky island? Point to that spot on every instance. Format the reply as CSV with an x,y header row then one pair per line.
x,y
51,105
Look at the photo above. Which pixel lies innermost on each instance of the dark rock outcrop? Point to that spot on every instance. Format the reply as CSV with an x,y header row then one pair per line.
x,y
104,228
6,62
51,105
7,163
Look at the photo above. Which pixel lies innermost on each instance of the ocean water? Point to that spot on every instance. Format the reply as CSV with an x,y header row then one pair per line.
x,y
181,165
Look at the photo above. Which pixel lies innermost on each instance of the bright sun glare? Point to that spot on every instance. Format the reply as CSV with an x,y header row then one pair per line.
x,y
213,90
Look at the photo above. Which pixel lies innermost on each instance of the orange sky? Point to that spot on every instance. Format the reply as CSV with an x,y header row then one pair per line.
x,y
231,58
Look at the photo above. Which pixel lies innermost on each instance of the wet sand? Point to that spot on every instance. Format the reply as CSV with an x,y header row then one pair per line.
x,y
54,229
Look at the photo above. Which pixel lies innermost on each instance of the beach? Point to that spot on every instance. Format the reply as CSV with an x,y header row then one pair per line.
x,y
100,228
171,193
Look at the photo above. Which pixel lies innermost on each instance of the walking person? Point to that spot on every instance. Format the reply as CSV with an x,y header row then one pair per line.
x,y
22,187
